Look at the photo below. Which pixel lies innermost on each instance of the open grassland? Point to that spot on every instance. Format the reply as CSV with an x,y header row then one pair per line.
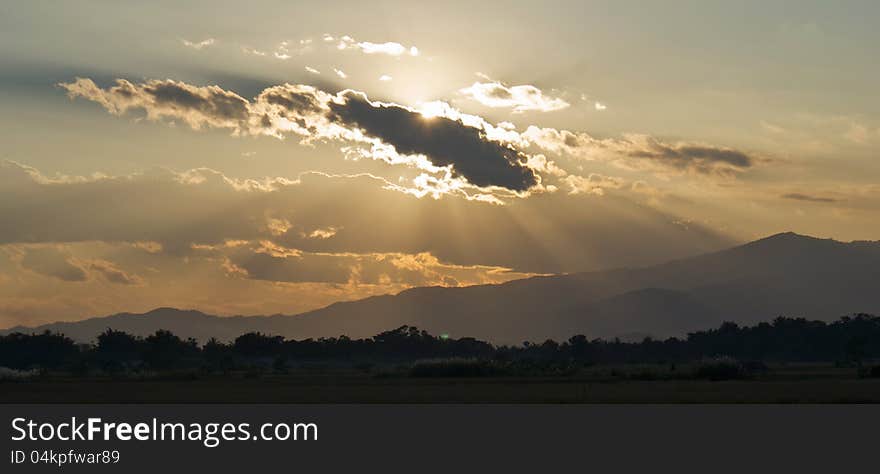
x,y
618,384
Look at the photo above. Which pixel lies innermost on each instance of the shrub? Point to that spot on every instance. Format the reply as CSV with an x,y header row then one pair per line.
x,y
454,367
720,368
365,367
872,372
12,374
645,373
279,365
755,367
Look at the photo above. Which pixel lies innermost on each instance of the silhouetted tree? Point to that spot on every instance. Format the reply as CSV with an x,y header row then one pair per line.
x,y
117,350
853,339
46,350
254,344
163,350
218,356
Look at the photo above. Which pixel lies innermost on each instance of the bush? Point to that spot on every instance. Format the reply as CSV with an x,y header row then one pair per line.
x,y
12,374
645,373
365,367
720,368
279,365
872,372
454,367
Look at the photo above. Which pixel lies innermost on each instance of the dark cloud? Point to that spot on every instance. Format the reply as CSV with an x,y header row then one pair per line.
x,y
211,100
302,101
807,197
198,106
701,158
317,115
444,141
399,134
639,151
724,155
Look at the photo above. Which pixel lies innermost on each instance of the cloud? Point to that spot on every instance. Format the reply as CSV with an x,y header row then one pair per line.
x,y
57,262
51,261
689,156
808,198
277,226
207,106
255,52
643,152
321,233
444,141
340,73
312,70
593,184
264,260
288,281
282,52
600,106
457,153
273,263
857,133
161,214
200,239
385,77
521,98
458,150
113,274
389,48
198,45
165,209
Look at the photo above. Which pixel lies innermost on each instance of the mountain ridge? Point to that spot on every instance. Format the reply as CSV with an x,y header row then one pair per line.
x,y
782,274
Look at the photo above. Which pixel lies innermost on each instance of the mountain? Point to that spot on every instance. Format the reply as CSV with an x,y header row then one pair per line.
x,y
785,274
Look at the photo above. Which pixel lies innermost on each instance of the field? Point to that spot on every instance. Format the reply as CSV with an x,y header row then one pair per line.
x,y
620,384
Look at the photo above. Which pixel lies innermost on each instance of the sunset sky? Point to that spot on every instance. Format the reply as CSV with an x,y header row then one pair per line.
x,y
275,157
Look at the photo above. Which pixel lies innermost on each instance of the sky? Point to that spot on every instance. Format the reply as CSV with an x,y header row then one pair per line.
x,y
276,157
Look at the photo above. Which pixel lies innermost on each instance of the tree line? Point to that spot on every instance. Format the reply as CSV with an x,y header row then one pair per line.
x,y
850,339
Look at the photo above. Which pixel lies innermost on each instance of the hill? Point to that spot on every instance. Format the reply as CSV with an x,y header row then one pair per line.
x,y
785,274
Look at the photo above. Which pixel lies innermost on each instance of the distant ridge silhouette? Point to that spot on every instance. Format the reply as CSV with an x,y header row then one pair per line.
x,y
784,274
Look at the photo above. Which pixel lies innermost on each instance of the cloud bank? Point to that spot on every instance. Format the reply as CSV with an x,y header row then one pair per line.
x,y
163,212
456,153
444,145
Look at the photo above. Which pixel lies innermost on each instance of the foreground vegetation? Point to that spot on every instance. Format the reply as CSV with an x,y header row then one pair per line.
x,y
787,360
848,340
627,383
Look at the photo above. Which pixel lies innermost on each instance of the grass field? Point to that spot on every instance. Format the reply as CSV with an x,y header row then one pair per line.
x,y
623,384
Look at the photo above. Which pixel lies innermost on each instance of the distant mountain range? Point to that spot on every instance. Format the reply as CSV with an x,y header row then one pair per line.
x,y
782,275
